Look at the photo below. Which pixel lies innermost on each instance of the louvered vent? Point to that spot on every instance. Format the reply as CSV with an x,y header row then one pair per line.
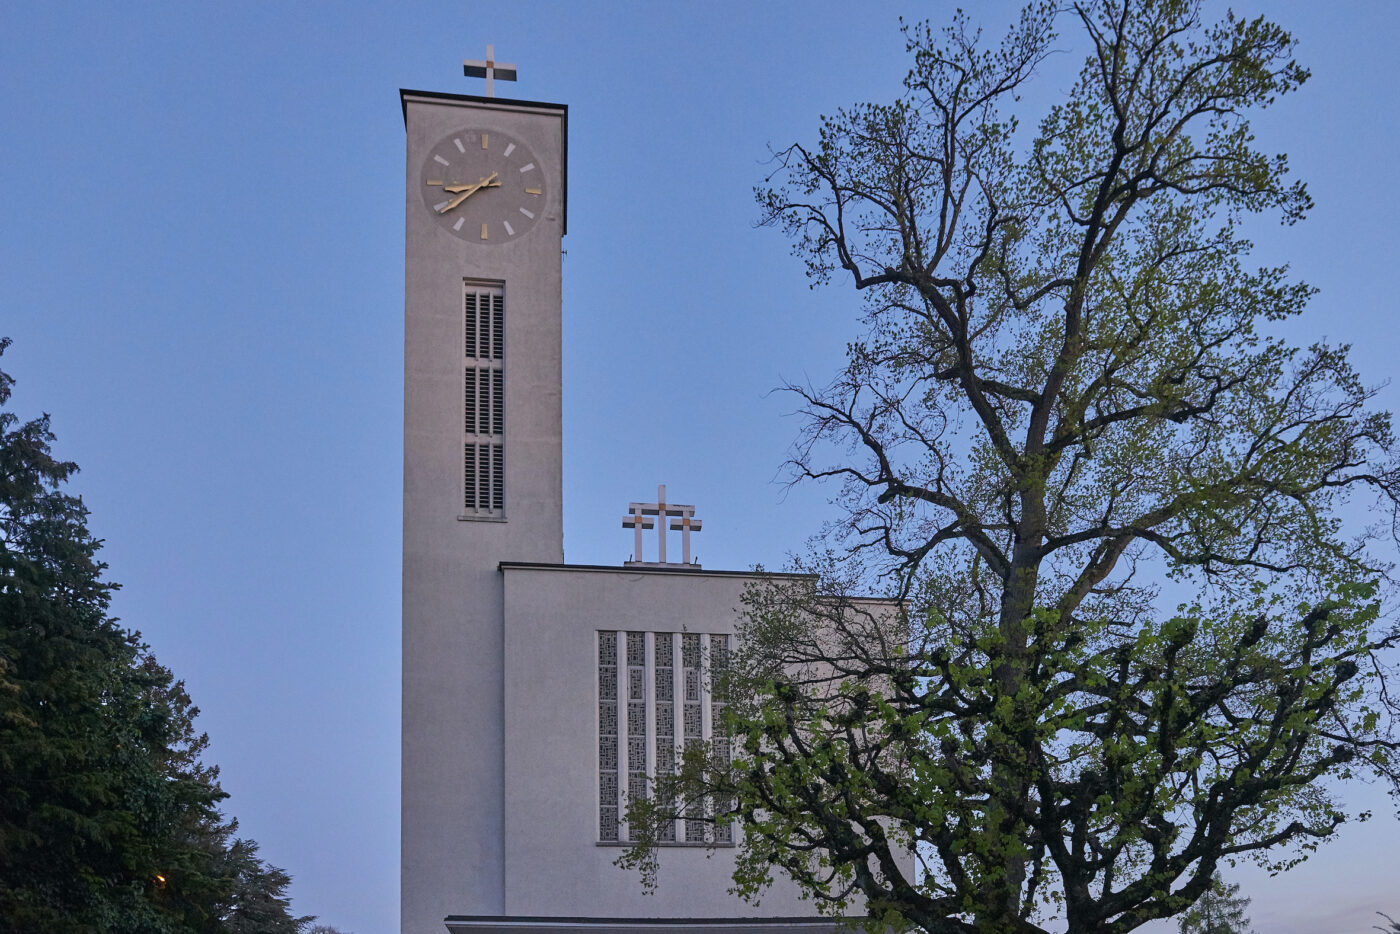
x,y
483,401
469,402
498,479
470,323
498,326
483,486
484,324
469,471
498,402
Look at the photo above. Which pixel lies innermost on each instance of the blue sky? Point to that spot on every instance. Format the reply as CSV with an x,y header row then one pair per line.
x,y
202,271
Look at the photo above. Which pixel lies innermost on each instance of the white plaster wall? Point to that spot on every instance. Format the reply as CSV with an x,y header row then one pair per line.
x,y
453,780
553,862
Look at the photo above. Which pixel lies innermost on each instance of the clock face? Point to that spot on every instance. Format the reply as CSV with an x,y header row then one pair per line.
x,y
483,186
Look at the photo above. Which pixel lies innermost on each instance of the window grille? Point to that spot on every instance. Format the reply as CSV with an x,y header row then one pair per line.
x,y
663,666
719,734
653,691
607,736
483,401
636,716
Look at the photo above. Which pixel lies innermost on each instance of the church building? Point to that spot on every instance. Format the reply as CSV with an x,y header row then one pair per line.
x,y
536,694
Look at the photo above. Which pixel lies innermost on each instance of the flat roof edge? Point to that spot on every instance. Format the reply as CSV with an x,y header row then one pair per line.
x,y
621,569
489,921
406,93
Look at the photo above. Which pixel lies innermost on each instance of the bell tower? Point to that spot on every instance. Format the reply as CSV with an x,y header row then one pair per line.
x,y
484,222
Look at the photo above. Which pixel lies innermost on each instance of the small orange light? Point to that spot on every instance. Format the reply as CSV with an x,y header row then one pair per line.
x,y
160,878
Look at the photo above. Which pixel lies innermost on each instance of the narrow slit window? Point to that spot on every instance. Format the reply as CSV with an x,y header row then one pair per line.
x,y
637,737
692,722
607,737
663,664
719,733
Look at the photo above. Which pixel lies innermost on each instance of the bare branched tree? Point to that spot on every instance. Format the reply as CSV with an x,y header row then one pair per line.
x,y
1125,638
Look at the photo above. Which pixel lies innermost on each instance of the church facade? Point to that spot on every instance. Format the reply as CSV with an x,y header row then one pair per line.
x,y
536,694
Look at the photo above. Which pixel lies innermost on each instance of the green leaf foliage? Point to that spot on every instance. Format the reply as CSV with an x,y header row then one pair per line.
x,y
1121,636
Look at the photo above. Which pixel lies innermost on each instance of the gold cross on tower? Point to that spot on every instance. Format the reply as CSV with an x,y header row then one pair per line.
x,y
489,69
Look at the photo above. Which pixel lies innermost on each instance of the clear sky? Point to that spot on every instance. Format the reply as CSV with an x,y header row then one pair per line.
x,y
201,266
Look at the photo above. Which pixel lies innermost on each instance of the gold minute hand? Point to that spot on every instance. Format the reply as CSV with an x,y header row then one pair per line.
x,y
464,192
484,183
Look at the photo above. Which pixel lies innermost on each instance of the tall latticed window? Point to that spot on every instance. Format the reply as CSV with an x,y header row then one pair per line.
x,y
484,401
654,697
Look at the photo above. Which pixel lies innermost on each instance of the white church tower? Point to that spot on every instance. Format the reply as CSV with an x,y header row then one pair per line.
x,y
535,694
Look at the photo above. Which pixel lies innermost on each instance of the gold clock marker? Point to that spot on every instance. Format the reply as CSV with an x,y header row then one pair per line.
x,y
435,181
483,231
528,191
483,140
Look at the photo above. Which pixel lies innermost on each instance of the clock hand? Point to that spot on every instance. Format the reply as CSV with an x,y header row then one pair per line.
x,y
453,189
466,191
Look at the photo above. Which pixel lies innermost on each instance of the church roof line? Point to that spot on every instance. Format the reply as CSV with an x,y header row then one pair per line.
x,y
487,924
686,570
676,569
504,103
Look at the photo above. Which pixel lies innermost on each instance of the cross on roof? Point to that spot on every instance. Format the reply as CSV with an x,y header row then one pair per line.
x,y
636,521
685,525
489,69
682,520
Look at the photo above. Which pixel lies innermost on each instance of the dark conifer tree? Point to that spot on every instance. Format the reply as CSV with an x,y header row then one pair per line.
x,y
108,814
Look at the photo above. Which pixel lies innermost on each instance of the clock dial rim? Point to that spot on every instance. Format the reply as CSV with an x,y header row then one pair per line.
x,y
495,207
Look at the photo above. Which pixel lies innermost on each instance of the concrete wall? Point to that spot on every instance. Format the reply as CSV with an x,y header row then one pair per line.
x,y
554,864
453,779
